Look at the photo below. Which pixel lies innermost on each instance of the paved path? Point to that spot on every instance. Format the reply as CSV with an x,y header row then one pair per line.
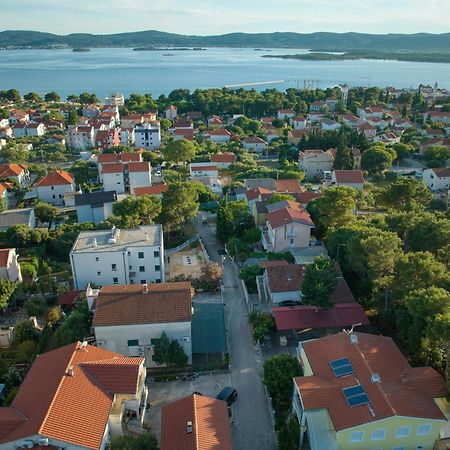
x,y
252,427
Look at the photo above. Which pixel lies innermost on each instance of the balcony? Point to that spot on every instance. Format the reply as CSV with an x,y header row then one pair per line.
x,y
267,244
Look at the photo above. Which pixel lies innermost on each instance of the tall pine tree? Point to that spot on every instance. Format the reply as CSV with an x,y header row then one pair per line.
x,y
344,156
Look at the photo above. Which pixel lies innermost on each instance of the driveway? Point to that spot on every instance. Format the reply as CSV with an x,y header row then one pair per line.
x,y
252,427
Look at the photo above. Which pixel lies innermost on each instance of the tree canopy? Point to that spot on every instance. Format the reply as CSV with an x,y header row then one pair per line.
x,y
135,211
179,151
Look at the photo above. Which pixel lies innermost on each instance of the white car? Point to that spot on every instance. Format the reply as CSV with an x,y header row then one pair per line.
x,y
158,173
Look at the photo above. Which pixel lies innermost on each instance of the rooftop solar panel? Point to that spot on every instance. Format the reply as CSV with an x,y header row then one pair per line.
x,y
356,395
341,367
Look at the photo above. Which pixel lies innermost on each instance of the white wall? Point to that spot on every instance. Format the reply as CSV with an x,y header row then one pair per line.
x,y
434,182
115,338
54,194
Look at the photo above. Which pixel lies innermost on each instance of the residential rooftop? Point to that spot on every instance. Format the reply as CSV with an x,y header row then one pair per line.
x,y
117,239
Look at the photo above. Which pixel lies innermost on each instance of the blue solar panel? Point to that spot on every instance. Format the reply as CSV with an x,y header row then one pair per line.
x,y
356,395
341,367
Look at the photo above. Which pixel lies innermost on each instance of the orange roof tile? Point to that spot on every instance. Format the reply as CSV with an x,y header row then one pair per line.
x,y
11,170
130,304
106,158
4,256
284,216
402,391
60,406
288,186
223,158
151,190
59,177
210,426
349,176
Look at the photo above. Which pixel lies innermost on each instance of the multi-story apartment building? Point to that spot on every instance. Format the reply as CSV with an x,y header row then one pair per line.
x,y
124,177
148,135
115,256
81,137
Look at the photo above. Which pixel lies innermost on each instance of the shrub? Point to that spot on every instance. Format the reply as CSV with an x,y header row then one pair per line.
x,y
36,306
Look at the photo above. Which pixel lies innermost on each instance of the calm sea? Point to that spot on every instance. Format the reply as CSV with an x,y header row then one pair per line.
x,y
158,72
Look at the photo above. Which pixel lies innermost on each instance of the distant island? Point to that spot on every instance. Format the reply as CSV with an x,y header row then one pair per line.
x,y
343,42
81,49
175,49
355,55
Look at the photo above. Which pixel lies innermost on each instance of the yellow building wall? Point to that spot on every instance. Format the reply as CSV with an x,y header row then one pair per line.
x,y
390,442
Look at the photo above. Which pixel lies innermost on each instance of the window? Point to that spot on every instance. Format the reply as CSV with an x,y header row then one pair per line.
x,y
378,435
99,273
54,196
115,280
402,432
157,280
133,342
292,241
154,341
424,429
156,254
157,268
141,255
96,259
130,267
114,267
356,436
141,268
143,281
52,188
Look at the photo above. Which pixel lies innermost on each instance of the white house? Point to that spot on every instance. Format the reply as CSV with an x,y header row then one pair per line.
x,y
36,129
108,257
223,160
218,135
282,281
52,187
351,178
314,162
330,125
124,177
438,116
13,217
437,179
18,172
255,144
148,135
115,98
70,390
317,106
131,319
81,137
94,207
204,170
171,112
126,136
9,266
19,129
299,123
287,228
284,114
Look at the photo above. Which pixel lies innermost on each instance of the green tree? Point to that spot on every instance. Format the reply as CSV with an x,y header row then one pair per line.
x,y
437,155
145,441
26,352
319,283
248,275
135,211
161,351
73,118
377,158
405,194
83,172
52,97
32,97
279,197
179,151
23,331
13,95
344,156
7,289
179,204
279,372
225,222
334,209
14,151
45,212
86,98
36,305
177,356
403,151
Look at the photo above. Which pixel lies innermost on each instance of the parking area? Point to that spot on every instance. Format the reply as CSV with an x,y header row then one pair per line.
x,y
162,393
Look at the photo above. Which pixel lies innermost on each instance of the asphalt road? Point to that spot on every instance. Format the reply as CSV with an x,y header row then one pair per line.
x,y
252,427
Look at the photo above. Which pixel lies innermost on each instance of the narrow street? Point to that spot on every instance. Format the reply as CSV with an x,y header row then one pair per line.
x,y
252,427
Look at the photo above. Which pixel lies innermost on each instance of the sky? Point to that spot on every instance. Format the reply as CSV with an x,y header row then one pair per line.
x,y
207,17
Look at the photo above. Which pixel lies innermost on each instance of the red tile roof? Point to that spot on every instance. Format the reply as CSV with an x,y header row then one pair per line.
x,y
304,316
203,168
254,140
219,132
285,278
283,216
253,194
306,197
288,186
130,304
349,176
151,190
442,172
210,425
223,158
273,263
402,391
68,298
60,406
106,158
57,178
143,166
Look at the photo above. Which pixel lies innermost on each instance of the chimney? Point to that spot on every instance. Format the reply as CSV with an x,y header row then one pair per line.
x,y
70,371
189,427
353,338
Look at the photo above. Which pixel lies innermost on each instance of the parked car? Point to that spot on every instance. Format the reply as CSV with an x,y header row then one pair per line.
x,y
289,303
227,394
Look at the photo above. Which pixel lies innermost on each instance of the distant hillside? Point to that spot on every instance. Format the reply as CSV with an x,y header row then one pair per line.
x,y
423,42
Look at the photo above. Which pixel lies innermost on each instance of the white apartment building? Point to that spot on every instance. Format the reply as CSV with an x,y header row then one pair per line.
x,y
9,266
81,137
115,256
53,187
148,135
314,162
131,319
123,178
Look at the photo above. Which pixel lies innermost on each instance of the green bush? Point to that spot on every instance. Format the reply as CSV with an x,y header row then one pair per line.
x,y
36,306
248,275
